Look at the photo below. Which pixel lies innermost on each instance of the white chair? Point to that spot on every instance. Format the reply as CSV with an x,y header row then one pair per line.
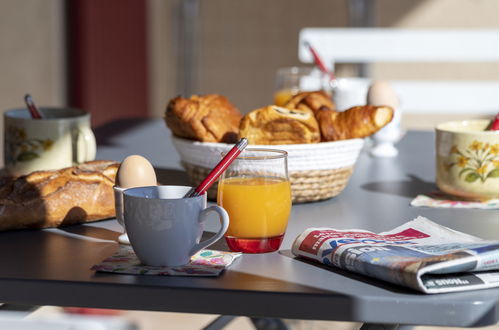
x,y
369,45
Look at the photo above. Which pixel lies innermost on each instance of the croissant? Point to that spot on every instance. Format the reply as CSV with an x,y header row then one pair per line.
x,y
314,101
277,125
356,122
206,118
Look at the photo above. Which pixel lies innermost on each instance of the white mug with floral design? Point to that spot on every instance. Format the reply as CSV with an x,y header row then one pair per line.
x,y
468,159
61,139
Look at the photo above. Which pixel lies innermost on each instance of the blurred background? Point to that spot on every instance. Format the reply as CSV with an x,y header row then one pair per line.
x,y
127,58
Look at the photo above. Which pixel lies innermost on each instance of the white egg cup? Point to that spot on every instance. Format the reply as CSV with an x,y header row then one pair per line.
x,y
118,205
134,171
384,140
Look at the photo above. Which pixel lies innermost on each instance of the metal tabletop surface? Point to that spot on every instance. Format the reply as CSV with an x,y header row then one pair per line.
x,y
52,266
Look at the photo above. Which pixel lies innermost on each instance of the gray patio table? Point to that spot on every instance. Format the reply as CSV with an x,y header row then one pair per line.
x,y
52,266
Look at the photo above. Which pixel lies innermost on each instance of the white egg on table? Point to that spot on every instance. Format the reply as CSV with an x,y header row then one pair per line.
x,y
382,93
135,171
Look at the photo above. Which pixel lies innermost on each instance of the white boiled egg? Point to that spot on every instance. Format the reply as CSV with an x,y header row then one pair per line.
x,y
135,171
381,93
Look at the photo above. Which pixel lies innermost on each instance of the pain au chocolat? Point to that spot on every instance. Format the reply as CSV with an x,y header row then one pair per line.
x,y
315,101
278,125
56,198
206,118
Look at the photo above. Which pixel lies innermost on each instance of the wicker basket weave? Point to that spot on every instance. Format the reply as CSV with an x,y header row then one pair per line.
x,y
316,171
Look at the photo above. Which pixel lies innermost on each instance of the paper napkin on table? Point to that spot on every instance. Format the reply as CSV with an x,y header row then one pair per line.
x,y
203,263
441,200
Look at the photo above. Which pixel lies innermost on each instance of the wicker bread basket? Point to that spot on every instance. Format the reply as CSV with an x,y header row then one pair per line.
x,y
316,171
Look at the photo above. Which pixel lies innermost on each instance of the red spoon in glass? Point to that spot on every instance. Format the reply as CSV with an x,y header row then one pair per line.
x,y
218,169
319,62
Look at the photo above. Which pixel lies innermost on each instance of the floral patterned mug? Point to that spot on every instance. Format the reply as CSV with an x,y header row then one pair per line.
x,y
468,159
61,139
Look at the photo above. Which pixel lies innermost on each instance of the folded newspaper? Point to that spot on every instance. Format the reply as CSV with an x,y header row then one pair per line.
x,y
419,254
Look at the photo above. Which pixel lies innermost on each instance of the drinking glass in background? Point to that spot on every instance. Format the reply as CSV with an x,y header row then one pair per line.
x,y
350,92
256,192
292,80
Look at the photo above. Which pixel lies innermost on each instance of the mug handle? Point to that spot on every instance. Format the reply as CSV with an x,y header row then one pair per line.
x,y
224,218
86,147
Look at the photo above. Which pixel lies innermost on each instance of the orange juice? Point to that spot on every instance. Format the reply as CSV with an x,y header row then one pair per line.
x,y
282,96
258,208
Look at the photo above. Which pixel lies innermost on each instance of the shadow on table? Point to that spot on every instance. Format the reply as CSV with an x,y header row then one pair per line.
x,y
46,254
220,245
410,188
170,176
111,235
93,232
105,133
354,276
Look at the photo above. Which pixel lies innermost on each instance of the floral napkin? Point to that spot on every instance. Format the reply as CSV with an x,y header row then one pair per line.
x,y
203,263
442,200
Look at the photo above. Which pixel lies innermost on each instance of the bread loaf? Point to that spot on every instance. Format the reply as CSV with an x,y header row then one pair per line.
x,y
277,125
68,196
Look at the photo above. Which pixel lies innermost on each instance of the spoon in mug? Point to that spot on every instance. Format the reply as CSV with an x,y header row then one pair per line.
x,y
33,109
218,169
494,126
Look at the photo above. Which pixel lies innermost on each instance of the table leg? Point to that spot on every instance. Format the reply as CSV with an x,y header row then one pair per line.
x,y
259,323
377,326
220,322
21,310
268,324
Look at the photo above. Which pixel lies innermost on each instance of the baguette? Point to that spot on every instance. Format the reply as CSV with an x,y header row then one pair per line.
x,y
57,198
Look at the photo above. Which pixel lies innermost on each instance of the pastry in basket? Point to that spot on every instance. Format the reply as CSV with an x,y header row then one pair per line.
x,y
356,122
61,197
277,125
314,101
205,118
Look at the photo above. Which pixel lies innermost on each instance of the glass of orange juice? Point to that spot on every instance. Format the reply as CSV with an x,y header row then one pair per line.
x,y
256,192
292,80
